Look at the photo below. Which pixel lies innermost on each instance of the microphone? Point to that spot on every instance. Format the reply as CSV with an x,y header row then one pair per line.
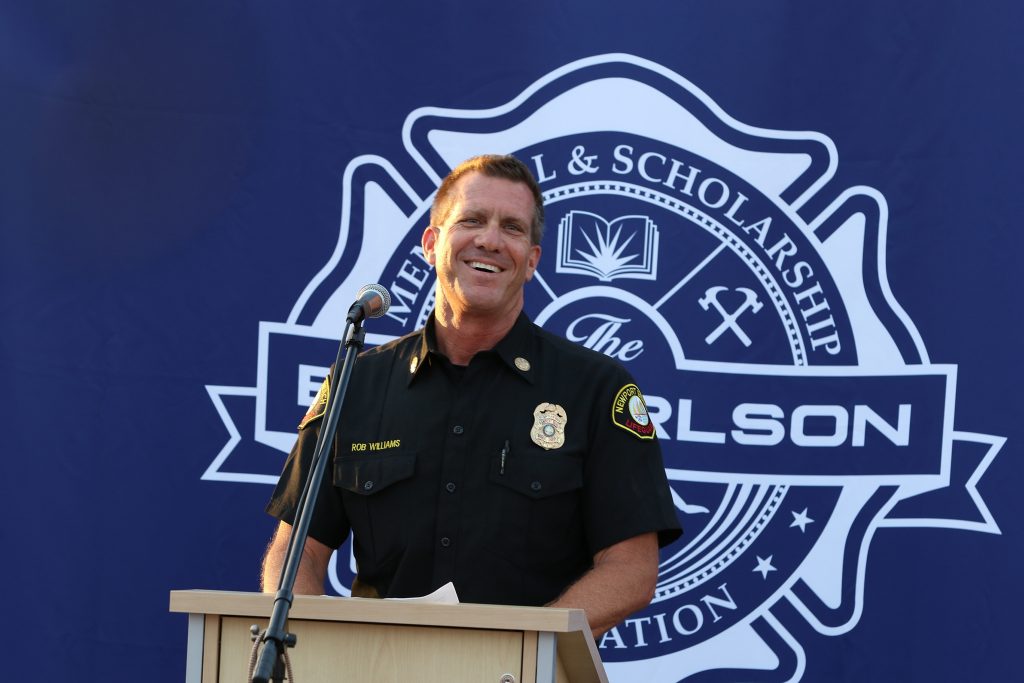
x,y
372,301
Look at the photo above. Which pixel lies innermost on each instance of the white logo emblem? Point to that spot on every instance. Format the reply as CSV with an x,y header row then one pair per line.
x,y
794,400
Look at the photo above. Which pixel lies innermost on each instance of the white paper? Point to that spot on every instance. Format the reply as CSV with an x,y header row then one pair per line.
x,y
445,595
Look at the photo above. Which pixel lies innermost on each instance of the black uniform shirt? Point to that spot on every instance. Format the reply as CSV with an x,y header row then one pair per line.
x,y
438,472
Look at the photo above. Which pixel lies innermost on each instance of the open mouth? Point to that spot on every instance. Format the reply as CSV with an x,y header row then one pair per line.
x,y
483,267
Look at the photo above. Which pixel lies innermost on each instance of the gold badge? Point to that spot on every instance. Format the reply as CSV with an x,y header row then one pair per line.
x,y
522,363
548,426
413,364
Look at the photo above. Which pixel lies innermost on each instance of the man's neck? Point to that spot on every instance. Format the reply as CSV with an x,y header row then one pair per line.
x,y
460,338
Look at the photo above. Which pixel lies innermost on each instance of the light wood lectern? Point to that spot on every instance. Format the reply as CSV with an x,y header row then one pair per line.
x,y
380,641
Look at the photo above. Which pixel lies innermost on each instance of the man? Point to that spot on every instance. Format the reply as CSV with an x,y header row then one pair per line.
x,y
483,450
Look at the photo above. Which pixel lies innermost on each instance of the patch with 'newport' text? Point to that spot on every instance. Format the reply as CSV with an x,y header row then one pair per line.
x,y
630,412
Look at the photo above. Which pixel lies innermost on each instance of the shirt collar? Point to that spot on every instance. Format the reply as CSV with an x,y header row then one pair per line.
x,y
421,353
518,349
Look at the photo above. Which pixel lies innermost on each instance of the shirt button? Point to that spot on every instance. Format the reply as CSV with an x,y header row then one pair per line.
x,y
535,486
445,541
450,487
367,486
458,429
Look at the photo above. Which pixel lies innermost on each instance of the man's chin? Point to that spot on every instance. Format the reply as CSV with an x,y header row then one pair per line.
x,y
484,306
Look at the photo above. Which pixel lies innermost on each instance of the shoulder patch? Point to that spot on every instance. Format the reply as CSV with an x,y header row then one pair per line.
x,y
629,411
319,405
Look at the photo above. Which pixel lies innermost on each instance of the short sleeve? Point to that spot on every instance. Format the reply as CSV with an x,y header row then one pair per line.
x,y
626,489
329,524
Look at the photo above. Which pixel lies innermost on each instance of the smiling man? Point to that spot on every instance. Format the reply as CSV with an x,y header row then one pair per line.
x,y
483,450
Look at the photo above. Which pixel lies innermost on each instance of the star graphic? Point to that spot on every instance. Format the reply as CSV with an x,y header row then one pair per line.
x,y
764,566
801,520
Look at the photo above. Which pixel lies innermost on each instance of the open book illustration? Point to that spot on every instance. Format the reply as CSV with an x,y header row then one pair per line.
x,y
624,247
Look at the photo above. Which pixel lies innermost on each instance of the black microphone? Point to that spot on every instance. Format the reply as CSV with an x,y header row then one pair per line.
x,y
373,301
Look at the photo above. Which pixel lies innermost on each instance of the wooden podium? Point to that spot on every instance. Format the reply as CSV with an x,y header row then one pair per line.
x,y
384,641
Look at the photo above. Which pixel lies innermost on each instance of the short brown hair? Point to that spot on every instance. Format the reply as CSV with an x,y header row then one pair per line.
x,y
495,166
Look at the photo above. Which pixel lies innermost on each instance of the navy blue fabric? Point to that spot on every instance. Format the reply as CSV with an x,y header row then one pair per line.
x,y
172,176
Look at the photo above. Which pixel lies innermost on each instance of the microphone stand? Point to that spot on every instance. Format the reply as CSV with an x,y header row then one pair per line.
x,y
269,667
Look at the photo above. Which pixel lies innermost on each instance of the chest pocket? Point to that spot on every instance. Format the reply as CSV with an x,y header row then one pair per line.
x,y
366,475
375,495
536,509
539,476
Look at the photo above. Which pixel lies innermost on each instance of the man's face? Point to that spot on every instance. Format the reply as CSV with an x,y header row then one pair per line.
x,y
482,251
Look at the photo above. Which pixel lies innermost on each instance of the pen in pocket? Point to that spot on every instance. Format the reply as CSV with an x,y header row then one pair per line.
x,y
504,454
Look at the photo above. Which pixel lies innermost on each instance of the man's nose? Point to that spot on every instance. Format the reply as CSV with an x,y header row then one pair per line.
x,y
489,237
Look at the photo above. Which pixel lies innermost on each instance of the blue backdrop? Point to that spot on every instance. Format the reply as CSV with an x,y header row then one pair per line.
x,y
792,221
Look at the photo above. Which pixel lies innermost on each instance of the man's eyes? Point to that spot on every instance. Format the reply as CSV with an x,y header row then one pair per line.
x,y
511,227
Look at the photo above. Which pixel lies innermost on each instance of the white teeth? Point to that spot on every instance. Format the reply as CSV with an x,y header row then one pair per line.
x,y
484,266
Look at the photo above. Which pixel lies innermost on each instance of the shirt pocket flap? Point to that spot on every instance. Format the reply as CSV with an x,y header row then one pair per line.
x,y
539,476
366,475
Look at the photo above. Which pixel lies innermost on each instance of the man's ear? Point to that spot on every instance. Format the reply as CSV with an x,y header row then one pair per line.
x,y
532,260
428,242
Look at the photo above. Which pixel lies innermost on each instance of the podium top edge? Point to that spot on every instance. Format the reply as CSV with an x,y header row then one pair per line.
x,y
368,610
